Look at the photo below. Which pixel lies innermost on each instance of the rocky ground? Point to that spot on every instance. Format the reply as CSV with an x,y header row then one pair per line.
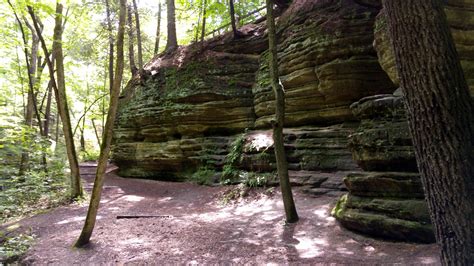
x,y
195,226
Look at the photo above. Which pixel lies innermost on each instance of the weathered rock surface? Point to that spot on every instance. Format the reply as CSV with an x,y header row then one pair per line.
x,y
382,141
385,203
204,94
405,219
460,14
184,115
326,62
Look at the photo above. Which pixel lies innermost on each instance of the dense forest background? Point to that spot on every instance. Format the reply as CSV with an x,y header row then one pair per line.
x,y
88,29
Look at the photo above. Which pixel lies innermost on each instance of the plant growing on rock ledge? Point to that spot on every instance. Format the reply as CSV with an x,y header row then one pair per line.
x,y
230,171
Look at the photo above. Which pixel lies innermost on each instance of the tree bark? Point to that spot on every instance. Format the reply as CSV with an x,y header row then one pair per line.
x,y
232,19
47,113
203,29
31,100
131,37
172,42
280,156
60,94
139,37
76,188
441,119
158,26
89,224
111,45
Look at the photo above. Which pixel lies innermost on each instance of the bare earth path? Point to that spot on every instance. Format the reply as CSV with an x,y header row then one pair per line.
x,y
201,229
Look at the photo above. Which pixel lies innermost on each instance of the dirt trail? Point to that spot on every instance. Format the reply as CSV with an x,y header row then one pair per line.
x,y
202,230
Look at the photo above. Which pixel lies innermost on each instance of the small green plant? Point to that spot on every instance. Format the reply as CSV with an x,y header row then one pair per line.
x,y
230,171
87,156
203,176
12,248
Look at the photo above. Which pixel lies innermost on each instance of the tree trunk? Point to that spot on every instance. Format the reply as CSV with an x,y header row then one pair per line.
x,y
203,31
280,156
139,37
131,37
47,112
232,19
158,26
76,188
196,34
441,119
172,42
111,45
31,102
89,224
60,94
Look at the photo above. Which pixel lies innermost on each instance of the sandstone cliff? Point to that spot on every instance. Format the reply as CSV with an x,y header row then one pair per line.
x,y
205,111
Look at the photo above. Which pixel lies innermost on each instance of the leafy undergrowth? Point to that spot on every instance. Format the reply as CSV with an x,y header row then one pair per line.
x,y
242,192
31,193
13,247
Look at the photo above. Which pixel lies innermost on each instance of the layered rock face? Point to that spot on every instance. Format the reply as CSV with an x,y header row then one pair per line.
x,y
326,62
186,114
390,202
189,109
460,14
166,121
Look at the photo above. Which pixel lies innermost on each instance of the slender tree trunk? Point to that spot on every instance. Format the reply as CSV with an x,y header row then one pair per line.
x,y
89,224
131,37
31,104
139,36
203,29
111,45
196,34
282,164
158,28
172,42
47,112
232,19
96,131
61,86
60,93
441,119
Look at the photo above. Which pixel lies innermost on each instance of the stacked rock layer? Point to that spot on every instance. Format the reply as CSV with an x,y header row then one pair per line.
x,y
186,112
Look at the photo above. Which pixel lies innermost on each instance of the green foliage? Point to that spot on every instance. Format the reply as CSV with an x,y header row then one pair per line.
x,y
257,179
89,155
234,193
33,191
36,189
203,176
12,248
230,171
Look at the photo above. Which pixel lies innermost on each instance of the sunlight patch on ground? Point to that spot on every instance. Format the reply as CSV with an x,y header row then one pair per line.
x,y
322,212
265,208
76,219
132,242
428,260
132,198
165,199
309,247
344,251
